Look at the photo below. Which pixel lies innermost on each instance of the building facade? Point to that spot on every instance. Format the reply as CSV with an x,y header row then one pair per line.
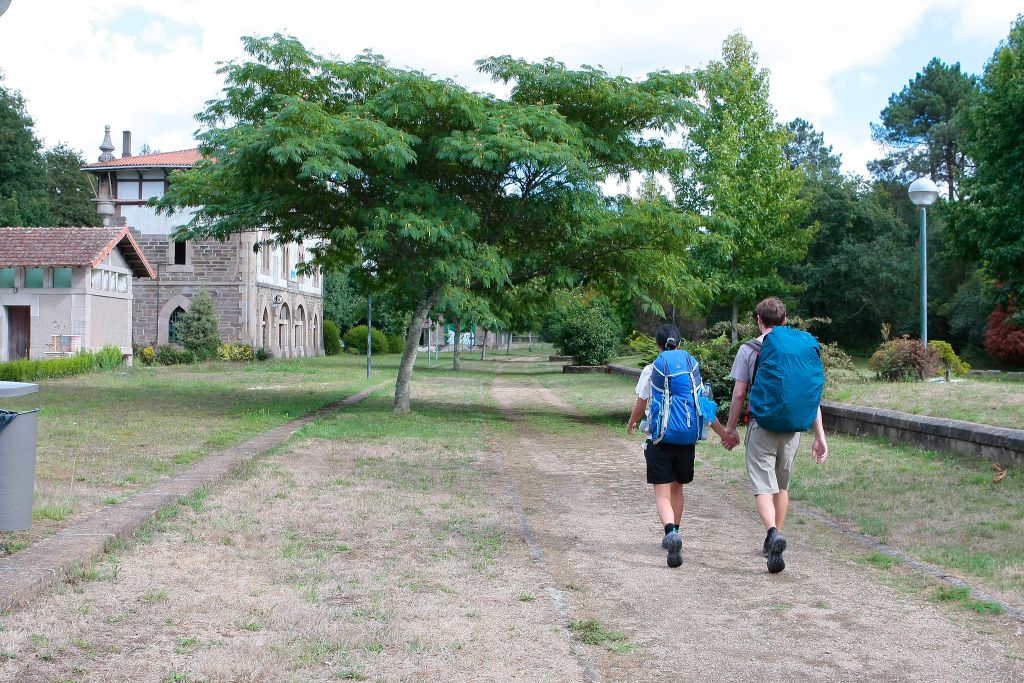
x,y
65,290
261,299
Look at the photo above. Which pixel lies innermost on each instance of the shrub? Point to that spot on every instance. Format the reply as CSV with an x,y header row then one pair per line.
x,y
236,351
261,354
396,343
645,345
332,339
352,351
950,361
1003,340
561,307
147,356
905,360
834,360
199,329
590,335
356,339
86,361
169,355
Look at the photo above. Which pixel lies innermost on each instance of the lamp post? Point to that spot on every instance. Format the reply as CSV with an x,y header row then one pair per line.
x,y
923,194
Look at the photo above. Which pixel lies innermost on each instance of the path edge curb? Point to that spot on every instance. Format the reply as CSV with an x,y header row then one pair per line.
x,y
28,574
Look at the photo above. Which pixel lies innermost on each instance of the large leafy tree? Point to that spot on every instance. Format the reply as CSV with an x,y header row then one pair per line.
x,y
23,198
990,226
739,180
68,189
921,127
432,189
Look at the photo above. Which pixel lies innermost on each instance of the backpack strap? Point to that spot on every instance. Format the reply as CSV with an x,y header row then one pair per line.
x,y
756,345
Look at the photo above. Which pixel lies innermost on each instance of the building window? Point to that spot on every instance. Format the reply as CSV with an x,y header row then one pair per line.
x,y
122,282
62,278
7,277
129,190
284,263
180,253
33,278
174,325
265,253
152,188
97,279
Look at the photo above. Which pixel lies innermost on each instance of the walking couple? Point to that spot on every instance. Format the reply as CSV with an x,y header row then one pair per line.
x,y
780,372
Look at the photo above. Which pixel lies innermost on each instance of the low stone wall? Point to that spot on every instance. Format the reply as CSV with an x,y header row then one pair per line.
x,y
998,374
998,444
559,359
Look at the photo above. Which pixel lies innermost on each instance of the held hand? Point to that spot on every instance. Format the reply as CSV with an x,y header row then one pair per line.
x,y
819,449
730,441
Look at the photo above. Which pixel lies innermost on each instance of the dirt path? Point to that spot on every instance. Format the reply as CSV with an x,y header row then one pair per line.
x,y
412,556
721,616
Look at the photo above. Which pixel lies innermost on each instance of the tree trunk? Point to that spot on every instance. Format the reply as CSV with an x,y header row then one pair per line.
x,y
403,384
483,346
508,348
456,356
735,321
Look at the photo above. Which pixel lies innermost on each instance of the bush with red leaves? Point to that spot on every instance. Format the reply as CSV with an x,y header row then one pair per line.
x,y
1004,341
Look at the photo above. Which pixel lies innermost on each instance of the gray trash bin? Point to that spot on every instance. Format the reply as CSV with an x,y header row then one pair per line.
x,y
17,462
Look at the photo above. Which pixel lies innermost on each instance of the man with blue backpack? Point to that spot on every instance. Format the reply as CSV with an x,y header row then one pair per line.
x,y
781,372
677,410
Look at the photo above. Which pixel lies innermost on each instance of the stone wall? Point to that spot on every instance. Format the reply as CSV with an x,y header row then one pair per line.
x,y
212,265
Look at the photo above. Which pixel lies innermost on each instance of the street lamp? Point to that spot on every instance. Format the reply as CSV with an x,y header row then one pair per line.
x,y
923,194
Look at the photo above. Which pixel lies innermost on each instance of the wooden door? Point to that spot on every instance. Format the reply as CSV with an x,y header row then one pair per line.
x,y
19,331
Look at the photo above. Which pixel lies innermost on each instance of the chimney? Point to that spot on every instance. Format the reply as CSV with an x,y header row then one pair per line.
x,y
126,144
106,147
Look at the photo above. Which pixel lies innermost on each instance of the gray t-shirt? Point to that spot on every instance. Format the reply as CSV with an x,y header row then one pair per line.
x,y
743,366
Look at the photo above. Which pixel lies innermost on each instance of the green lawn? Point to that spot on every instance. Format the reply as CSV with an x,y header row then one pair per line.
x,y
992,402
103,436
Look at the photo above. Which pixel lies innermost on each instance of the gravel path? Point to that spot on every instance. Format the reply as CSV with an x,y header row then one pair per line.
x,y
405,560
721,616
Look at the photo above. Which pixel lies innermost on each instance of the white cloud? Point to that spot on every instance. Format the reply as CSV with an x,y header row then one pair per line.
x,y
79,73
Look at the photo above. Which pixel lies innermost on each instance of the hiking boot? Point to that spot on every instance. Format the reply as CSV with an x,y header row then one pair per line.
x,y
776,544
673,543
764,550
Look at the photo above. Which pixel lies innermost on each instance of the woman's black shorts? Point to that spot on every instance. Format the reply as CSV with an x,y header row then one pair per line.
x,y
668,463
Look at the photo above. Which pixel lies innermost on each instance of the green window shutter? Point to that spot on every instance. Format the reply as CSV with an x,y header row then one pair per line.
x,y
62,278
34,278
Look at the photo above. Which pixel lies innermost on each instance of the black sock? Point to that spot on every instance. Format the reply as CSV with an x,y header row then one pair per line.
x,y
669,528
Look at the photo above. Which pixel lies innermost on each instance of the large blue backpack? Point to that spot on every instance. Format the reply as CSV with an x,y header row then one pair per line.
x,y
787,383
673,415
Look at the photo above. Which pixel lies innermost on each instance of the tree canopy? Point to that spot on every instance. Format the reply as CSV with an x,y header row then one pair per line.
x,y
990,224
431,189
921,125
737,178
23,200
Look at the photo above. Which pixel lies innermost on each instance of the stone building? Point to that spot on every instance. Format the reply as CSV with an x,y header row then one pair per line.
x,y
260,298
65,290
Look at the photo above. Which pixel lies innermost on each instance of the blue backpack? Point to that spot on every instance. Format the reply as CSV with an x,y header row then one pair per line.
x,y
680,406
787,383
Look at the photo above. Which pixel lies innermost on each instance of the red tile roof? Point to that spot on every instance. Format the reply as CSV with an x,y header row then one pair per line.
x,y
185,158
74,247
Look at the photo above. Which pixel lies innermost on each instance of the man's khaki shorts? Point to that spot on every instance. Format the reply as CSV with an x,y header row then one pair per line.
x,y
770,457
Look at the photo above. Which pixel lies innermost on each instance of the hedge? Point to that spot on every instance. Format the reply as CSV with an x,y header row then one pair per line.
x,y
108,358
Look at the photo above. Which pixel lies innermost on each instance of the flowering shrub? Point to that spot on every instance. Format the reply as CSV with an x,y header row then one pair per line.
x,y
1003,340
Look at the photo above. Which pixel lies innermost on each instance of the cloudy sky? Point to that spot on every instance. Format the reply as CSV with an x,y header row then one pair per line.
x,y
149,66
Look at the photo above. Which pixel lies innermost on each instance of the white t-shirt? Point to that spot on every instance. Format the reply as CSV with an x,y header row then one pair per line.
x,y
643,386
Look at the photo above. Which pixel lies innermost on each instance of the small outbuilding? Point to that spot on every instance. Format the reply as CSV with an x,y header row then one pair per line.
x,y
65,290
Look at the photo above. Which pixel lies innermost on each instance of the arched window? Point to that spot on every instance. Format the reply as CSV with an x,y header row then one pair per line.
x,y
174,325
283,327
300,327
316,332
265,329
265,253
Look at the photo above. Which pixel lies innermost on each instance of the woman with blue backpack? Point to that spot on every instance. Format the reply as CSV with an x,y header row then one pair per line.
x,y
677,410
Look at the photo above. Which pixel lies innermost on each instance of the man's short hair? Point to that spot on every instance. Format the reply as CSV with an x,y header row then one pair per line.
x,y
772,312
